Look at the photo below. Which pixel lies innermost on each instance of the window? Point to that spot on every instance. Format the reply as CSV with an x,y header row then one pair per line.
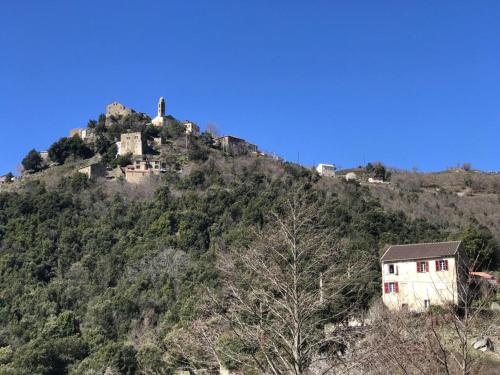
x,y
427,303
422,267
391,268
391,287
442,265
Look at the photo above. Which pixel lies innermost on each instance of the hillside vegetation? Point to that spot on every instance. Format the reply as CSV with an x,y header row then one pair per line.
x,y
99,275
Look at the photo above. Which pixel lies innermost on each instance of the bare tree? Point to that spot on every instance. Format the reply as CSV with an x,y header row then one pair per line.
x,y
438,341
466,322
282,289
213,130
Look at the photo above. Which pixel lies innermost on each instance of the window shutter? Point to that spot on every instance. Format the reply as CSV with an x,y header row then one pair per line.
x,y
426,266
396,287
418,268
386,287
437,265
446,264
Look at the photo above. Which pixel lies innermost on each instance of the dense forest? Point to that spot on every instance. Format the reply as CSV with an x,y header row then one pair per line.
x,y
97,277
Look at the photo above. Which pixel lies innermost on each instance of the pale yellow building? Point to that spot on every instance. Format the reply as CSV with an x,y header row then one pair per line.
x,y
416,276
131,143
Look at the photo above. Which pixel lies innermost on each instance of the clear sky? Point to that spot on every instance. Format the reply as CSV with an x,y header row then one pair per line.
x,y
410,83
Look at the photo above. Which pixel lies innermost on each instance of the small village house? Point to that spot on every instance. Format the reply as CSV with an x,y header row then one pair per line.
x,y
142,170
326,170
416,276
87,135
234,145
93,170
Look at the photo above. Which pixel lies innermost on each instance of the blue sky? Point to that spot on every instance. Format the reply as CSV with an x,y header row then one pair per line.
x,y
409,83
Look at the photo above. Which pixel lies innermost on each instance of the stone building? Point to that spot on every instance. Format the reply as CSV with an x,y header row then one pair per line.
x,y
87,135
93,170
327,170
131,143
416,276
142,170
115,110
234,145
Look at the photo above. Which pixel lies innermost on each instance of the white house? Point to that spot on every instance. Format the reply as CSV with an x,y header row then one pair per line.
x,y
416,276
327,170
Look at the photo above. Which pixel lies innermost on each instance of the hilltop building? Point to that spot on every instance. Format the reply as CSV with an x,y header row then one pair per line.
x,y
115,110
416,276
326,170
130,143
141,170
87,135
234,145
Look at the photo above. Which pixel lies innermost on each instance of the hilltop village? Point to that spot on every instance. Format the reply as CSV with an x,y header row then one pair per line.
x,y
126,145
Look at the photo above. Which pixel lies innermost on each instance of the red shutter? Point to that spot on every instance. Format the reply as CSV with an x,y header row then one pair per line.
x,y
437,265
426,266
396,287
418,268
386,287
446,264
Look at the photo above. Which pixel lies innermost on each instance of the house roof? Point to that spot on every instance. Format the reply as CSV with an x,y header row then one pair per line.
x,y
420,251
483,275
231,137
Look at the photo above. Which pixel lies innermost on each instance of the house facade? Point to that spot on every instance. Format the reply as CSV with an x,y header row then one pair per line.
x,y
142,170
234,145
416,276
93,170
326,170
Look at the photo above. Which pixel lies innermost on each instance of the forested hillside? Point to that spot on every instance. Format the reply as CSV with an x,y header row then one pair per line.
x,y
97,276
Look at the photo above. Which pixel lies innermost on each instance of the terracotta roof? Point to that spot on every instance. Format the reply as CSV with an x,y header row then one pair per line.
x,y
420,251
483,275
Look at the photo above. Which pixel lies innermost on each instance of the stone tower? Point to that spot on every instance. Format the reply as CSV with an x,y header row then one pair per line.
x,y
161,107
